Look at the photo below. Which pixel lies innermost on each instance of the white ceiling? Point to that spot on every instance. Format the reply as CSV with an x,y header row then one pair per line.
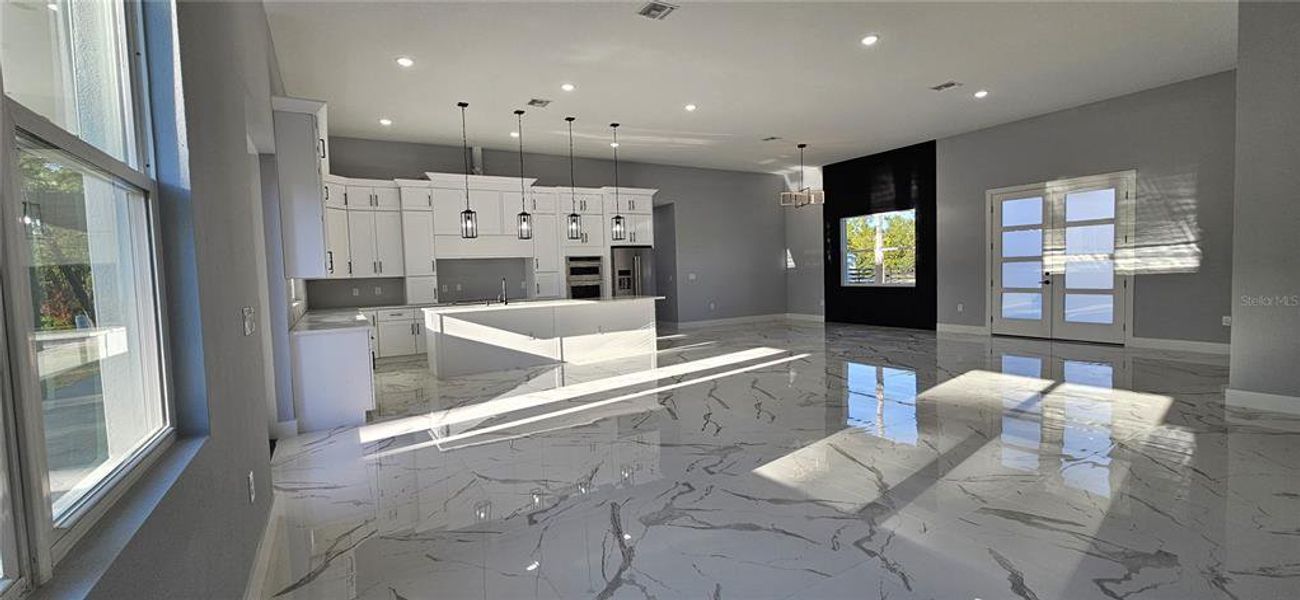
x,y
794,70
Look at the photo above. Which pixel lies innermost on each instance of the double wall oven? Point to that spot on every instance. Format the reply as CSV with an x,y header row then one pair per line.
x,y
584,277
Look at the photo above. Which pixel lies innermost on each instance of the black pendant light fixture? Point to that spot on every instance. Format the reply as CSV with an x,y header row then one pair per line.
x,y
575,220
525,220
617,225
468,218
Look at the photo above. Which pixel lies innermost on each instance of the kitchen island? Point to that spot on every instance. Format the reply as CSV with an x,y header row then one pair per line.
x,y
479,338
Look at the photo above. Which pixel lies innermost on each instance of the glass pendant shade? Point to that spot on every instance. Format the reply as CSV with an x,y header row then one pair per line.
x,y
618,228
575,226
468,224
525,226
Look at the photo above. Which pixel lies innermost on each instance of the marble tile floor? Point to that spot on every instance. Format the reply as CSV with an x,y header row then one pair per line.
x,y
801,461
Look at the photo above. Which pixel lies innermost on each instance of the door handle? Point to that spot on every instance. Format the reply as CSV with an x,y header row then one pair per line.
x,y
330,253
1047,279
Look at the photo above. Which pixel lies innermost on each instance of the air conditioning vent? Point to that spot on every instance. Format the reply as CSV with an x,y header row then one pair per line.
x,y
771,138
656,10
945,86
538,103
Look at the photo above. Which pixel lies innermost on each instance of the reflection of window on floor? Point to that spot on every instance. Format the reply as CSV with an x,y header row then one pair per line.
x,y
882,401
1086,441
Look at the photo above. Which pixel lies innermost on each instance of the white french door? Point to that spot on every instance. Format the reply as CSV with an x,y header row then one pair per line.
x,y
1054,258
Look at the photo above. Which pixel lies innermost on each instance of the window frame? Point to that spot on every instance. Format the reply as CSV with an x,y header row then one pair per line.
x,y
43,542
878,255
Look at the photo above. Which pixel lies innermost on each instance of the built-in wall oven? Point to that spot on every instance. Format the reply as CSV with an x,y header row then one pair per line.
x,y
584,277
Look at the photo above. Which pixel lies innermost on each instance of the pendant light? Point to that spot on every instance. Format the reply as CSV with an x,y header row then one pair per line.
x,y
468,218
575,220
525,220
804,195
617,225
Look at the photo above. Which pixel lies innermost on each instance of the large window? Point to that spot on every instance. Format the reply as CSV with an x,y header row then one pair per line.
x,y
83,327
879,249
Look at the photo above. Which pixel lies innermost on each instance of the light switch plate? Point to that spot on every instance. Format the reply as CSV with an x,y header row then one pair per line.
x,y
961,307
250,323
690,276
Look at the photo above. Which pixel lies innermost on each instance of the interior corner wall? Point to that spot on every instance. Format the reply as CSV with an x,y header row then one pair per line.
x,y
1266,251
1179,138
805,270
730,232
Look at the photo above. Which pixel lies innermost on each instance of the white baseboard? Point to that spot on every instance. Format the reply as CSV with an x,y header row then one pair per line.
x,y
805,317
284,429
966,329
261,580
732,321
1261,401
1178,345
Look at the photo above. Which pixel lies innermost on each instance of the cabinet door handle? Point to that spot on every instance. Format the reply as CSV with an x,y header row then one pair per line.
x,y
345,198
330,253
322,147
539,288
327,193
374,266
381,266
429,196
349,267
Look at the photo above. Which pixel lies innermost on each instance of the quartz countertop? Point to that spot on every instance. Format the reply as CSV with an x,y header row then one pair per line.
x,y
463,307
326,320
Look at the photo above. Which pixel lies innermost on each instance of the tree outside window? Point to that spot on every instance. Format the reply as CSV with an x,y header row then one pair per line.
x,y
879,249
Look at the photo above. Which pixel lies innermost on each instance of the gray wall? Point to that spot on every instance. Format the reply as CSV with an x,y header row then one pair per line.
x,y
346,293
665,231
1180,140
480,279
730,230
1266,257
188,529
804,286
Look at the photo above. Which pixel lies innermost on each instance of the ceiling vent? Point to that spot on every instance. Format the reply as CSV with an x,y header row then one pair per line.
x,y
656,10
945,86
771,138
538,103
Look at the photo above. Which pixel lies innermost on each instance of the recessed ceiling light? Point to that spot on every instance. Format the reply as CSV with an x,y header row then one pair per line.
x,y
405,62
613,144
385,121
52,6
514,134
981,94
568,87
690,108
870,40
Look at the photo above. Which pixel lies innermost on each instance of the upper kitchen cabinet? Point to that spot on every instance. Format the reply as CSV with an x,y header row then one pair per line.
x,y
633,201
495,201
415,194
335,192
543,201
372,194
302,160
375,243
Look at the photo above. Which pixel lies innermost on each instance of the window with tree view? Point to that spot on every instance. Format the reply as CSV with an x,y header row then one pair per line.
x,y
879,249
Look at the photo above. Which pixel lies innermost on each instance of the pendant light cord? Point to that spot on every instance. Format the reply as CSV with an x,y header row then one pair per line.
x,y
614,126
573,195
464,149
523,203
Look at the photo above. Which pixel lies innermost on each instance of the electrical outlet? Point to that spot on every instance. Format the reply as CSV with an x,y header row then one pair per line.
x,y
458,287
379,291
356,291
961,307
690,276
1227,320
444,287
712,305
252,488
250,323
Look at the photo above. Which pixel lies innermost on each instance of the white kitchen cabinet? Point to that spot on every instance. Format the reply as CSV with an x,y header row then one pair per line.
x,y
447,205
335,194
396,338
388,243
338,253
422,290
484,246
361,238
417,242
298,126
372,197
546,242
640,230
333,383
630,200
547,285
543,202
488,205
593,235
590,204
416,198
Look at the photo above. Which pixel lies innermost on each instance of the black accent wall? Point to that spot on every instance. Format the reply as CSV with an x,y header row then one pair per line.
x,y
895,180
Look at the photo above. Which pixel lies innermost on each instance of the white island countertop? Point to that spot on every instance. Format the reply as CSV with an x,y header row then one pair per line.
x,y
464,307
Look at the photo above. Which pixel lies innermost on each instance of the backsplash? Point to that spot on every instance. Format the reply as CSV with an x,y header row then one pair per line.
x,y
348,293
480,278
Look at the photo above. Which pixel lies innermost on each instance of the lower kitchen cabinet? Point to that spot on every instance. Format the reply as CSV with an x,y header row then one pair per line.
x,y
547,285
401,332
422,290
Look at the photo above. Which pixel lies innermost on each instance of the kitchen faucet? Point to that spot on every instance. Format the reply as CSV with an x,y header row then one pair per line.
x,y
502,297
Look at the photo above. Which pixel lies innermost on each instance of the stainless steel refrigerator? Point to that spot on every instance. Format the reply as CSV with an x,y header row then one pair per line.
x,y
633,271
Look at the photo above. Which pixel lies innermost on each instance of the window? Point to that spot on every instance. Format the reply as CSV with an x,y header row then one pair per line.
x,y
83,324
66,60
879,249
95,332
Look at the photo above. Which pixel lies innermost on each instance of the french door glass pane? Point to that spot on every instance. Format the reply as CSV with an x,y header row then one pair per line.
x,y
1022,274
1090,308
1023,211
1024,242
1090,275
1090,205
95,342
1022,305
1094,374
66,60
1090,239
